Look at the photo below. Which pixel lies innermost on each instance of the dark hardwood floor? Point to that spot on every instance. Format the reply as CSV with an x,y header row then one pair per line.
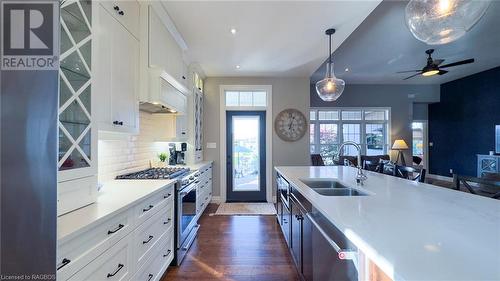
x,y
236,248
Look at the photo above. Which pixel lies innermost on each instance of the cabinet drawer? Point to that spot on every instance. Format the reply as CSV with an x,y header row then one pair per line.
x,y
74,194
149,206
114,264
126,12
158,262
146,236
74,254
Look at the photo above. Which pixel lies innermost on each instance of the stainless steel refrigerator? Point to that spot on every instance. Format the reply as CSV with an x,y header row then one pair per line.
x,y
28,171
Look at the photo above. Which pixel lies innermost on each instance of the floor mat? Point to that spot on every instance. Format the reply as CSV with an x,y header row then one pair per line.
x,y
242,209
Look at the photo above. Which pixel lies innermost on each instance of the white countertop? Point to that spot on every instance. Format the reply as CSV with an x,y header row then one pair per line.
x,y
412,231
114,197
196,166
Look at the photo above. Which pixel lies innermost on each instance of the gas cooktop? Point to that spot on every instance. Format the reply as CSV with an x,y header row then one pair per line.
x,y
155,174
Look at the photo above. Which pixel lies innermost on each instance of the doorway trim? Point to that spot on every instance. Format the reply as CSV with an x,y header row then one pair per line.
x,y
425,144
269,130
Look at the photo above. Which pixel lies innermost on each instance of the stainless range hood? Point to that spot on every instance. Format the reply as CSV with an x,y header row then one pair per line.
x,y
152,107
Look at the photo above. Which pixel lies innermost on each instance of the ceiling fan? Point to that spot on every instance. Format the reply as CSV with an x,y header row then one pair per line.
x,y
434,66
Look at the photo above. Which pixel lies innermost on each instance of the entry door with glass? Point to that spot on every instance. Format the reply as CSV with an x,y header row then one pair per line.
x,y
246,156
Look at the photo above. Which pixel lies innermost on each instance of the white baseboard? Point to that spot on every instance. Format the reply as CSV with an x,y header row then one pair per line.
x,y
216,200
438,177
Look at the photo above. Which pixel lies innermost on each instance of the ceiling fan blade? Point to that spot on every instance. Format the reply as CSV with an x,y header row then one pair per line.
x,y
438,62
441,72
407,71
412,76
457,63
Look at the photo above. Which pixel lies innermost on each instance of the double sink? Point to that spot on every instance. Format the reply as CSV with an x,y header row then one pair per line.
x,y
330,187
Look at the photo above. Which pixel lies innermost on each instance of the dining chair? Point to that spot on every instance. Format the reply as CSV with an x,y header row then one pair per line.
x,y
409,173
317,160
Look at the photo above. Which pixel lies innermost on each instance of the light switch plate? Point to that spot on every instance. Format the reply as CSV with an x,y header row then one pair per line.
x,y
211,145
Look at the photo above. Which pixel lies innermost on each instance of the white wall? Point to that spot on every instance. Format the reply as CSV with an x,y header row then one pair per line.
x,y
286,93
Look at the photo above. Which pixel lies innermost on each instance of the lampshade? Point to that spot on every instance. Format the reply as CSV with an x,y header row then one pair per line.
x,y
443,21
399,145
330,88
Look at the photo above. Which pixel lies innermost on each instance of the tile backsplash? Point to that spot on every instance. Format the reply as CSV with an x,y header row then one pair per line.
x,y
124,154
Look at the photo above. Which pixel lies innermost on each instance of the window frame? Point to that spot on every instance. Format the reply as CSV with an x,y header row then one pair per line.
x,y
363,122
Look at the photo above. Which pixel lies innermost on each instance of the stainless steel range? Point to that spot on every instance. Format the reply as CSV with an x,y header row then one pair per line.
x,y
155,173
186,224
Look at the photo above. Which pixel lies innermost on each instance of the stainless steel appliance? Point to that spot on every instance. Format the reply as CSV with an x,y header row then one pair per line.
x,y
186,223
177,153
155,173
29,147
283,189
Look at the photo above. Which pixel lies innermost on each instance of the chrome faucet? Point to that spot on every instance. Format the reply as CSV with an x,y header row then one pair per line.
x,y
360,177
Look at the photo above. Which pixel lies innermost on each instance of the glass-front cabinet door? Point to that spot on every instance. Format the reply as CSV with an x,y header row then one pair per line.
x,y
76,134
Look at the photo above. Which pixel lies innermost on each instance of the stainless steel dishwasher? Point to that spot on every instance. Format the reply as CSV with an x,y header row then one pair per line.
x,y
320,250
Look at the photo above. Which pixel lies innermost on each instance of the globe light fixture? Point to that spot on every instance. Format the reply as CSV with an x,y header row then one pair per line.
x,y
437,22
330,88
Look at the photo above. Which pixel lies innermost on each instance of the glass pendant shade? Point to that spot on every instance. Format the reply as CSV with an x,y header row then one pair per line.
x,y
436,22
330,88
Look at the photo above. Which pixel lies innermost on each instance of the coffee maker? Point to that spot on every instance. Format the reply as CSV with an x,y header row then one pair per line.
x,y
177,153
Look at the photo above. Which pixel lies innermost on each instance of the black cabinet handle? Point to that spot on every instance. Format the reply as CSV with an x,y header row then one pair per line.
x,y
116,8
120,266
121,13
118,123
150,277
120,226
147,209
183,77
168,253
199,88
64,262
166,222
166,196
149,239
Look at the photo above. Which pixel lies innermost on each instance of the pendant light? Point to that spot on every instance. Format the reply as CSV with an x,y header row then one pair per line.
x,y
436,22
330,88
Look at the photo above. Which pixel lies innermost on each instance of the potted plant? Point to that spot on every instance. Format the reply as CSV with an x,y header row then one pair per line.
x,y
163,159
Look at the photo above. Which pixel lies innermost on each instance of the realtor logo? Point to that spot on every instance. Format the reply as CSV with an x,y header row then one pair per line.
x,y
30,32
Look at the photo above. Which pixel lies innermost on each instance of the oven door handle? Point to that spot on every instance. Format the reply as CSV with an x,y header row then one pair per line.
x,y
187,189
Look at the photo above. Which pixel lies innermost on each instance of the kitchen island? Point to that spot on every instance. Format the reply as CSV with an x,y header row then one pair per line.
x,y
408,230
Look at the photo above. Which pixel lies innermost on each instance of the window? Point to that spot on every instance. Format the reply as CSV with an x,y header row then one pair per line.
x,y
246,98
367,126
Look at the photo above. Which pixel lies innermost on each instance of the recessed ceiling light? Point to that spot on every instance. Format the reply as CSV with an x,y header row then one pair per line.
x,y
233,31
238,67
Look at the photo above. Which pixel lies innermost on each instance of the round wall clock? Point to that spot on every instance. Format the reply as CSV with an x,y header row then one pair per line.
x,y
290,125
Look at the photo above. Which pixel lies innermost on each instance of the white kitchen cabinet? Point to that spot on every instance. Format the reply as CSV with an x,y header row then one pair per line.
x,y
126,12
139,237
117,74
77,164
171,127
181,130
115,264
164,52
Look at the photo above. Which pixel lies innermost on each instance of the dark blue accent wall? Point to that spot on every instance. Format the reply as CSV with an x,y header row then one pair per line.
x,y
463,123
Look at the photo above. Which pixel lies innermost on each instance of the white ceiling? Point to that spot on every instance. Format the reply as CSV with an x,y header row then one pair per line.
x,y
382,45
274,38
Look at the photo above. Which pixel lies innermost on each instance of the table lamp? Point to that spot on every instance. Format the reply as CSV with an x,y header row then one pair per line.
x,y
400,145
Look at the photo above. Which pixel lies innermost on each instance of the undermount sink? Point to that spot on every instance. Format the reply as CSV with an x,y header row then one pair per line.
x,y
329,187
